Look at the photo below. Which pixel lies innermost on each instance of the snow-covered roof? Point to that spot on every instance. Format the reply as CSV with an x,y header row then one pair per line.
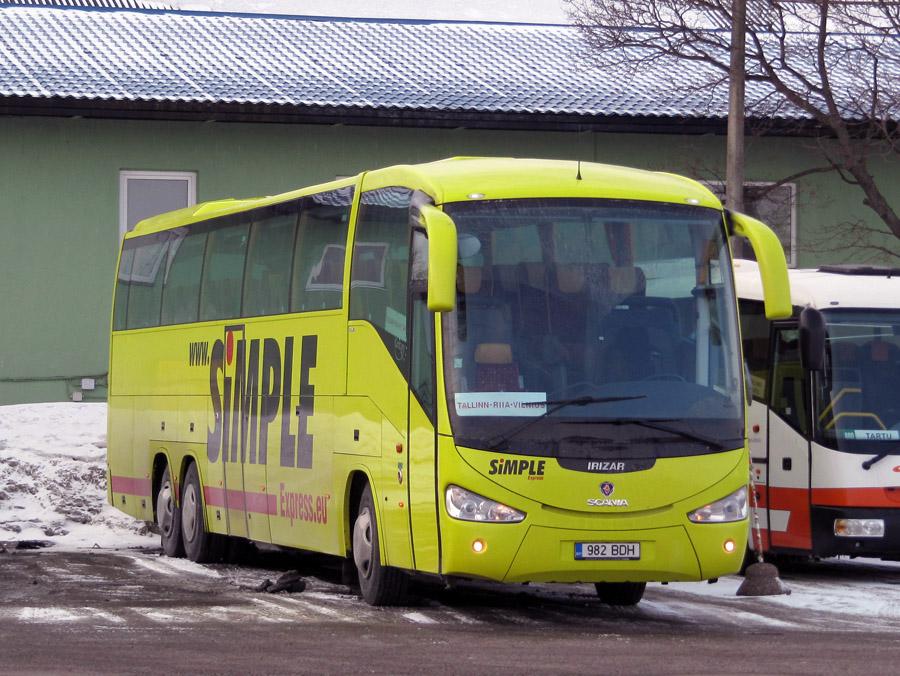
x,y
109,4
118,57
139,56
828,287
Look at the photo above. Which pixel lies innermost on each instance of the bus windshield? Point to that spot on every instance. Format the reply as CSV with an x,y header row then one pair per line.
x,y
591,328
857,400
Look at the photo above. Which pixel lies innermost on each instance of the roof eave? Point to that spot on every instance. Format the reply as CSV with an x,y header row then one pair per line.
x,y
376,116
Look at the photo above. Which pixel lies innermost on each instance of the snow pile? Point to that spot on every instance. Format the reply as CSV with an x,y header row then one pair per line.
x,y
53,479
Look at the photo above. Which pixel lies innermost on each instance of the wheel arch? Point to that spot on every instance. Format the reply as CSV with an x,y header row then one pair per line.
x,y
158,467
357,481
162,459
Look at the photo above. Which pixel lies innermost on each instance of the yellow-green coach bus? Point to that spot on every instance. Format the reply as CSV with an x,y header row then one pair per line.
x,y
513,370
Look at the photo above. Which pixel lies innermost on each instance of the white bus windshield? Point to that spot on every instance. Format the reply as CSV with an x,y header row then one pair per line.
x,y
857,398
586,327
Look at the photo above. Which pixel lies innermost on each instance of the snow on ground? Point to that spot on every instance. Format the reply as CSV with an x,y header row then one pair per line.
x,y
53,479
53,488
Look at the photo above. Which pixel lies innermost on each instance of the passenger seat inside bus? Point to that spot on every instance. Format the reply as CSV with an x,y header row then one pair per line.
x,y
495,370
484,319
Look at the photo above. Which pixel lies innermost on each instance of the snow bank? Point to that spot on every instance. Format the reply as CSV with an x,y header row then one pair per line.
x,y
53,479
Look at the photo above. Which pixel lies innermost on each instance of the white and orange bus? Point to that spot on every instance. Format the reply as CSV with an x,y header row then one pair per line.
x,y
825,422
515,370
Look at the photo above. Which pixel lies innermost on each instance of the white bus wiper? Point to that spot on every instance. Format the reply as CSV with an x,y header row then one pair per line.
x,y
715,444
557,404
878,458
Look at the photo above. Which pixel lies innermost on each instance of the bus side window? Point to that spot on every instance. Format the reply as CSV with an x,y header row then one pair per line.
x,y
267,277
788,398
123,282
223,273
318,282
182,286
755,339
146,281
380,268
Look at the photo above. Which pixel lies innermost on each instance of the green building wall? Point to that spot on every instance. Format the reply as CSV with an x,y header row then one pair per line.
x,y
59,206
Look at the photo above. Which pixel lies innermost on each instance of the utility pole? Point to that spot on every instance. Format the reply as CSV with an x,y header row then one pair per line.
x,y
734,170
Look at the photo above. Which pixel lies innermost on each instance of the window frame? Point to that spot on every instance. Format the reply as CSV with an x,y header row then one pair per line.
x,y
718,189
126,175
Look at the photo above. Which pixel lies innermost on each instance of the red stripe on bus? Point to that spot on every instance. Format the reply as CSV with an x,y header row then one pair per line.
x,y
857,497
215,497
242,501
261,503
795,501
130,486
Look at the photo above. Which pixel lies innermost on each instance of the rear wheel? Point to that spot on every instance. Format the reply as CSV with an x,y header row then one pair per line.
x,y
200,545
620,593
380,585
168,517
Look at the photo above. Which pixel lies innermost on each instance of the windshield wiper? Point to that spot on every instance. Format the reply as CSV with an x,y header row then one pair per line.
x,y
878,458
658,425
557,404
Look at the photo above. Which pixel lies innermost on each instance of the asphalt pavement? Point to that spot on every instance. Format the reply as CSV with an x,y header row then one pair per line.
x,y
98,611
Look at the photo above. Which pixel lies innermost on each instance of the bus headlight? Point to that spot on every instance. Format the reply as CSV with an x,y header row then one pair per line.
x,y
859,528
468,506
728,509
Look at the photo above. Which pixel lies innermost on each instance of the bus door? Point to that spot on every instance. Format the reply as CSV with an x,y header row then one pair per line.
x,y
234,360
422,457
378,355
787,460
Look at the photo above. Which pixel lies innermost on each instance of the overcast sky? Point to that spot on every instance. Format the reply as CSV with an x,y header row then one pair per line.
x,y
516,11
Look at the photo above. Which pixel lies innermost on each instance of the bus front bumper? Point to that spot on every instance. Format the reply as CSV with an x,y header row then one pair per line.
x,y
544,554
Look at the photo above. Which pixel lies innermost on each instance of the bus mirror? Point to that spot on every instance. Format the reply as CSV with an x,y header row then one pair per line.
x,y
441,231
772,265
812,340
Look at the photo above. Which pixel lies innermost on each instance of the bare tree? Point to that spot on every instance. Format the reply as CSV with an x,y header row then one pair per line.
x,y
830,66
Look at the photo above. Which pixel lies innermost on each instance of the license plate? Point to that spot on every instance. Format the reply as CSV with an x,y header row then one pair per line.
x,y
609,551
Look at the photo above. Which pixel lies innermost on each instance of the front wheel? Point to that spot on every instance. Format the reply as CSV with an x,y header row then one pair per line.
x,y
200,545
620,593
168,517
380,585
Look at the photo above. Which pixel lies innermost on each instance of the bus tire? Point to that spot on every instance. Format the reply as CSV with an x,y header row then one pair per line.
x,y
168,517
380,585
200,545
620,593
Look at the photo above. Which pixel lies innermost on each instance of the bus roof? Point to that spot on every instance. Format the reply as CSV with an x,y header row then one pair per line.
x,y
462,178
830,286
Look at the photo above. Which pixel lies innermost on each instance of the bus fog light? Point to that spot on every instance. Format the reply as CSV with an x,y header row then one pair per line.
x,y
730,508
478,546
729,546
468,506
859,528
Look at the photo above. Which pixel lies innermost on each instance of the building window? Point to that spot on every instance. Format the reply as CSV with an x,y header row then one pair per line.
x,y
776,206
143,194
